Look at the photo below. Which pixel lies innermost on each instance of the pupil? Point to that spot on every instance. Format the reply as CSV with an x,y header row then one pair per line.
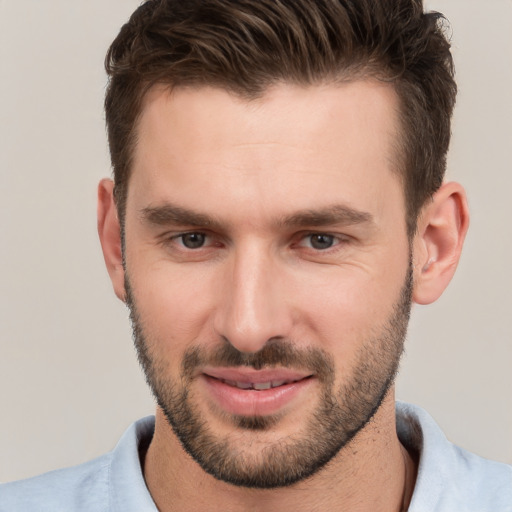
x,y
193,240
322,241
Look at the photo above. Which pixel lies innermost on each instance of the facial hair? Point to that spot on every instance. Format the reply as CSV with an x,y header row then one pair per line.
x,y
340,415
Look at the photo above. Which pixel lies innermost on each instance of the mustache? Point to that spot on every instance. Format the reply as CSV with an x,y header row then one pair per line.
x,y
276,352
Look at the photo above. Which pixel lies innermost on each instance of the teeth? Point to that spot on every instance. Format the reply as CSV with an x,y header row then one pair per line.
x,y
262,385
259,386
243,385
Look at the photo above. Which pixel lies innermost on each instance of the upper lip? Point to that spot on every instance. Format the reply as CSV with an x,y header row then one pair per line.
x,y
250,375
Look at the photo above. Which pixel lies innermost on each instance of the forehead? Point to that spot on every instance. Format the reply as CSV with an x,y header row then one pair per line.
x,y
351,105
291,146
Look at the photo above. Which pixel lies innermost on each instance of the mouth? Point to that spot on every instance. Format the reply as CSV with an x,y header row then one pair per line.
x,y
258,386
247,392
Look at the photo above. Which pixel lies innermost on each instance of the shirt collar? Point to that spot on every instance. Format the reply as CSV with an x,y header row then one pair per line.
x,y
128,491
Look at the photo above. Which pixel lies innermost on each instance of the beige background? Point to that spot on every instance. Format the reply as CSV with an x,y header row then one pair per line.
x,y
69,381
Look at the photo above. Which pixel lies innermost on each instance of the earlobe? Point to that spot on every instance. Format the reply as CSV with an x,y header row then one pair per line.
x,y
109,231
437,247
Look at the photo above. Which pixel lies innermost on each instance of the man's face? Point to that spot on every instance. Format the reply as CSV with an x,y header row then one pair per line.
x,y
268,271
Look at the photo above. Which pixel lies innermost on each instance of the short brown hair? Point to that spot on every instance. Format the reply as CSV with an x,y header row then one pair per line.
x,y
245,46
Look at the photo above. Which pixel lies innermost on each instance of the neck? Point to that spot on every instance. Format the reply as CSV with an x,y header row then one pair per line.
x,y
373,472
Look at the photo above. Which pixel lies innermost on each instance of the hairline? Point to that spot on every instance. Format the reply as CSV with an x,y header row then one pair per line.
x,y
362,73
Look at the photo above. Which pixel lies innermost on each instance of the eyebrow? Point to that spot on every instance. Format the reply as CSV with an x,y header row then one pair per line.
x,y
169,214
335,214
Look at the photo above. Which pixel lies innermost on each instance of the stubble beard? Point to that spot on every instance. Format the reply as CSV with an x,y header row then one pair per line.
x,y
340,415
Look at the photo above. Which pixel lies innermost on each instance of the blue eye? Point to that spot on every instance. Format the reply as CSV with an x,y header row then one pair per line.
x,y
193,240
321,241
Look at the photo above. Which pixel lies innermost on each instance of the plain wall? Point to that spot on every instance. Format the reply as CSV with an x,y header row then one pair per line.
x,y
69,381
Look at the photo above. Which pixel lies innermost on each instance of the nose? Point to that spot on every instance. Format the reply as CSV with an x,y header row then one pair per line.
x,y
252,306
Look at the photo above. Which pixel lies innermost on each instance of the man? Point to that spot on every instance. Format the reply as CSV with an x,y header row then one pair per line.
x,y
277,204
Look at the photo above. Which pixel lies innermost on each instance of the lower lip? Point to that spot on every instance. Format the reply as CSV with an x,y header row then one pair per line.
x,y
251,402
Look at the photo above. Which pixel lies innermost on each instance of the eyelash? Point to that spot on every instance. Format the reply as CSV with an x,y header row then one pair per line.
x,y
337,240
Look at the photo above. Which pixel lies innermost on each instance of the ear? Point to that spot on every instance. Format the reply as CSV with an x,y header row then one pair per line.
x,y
109,230
442,227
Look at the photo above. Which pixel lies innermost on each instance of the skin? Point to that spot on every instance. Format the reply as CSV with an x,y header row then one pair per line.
x,y
248,166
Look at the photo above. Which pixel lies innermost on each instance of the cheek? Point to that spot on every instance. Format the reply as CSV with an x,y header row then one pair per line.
x,y
174,306
338,307
348,308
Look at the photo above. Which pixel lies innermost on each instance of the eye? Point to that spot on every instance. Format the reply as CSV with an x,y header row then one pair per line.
x,y
192,240
320,241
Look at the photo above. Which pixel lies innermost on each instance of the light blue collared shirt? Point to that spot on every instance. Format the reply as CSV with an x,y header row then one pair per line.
x,y
450,479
